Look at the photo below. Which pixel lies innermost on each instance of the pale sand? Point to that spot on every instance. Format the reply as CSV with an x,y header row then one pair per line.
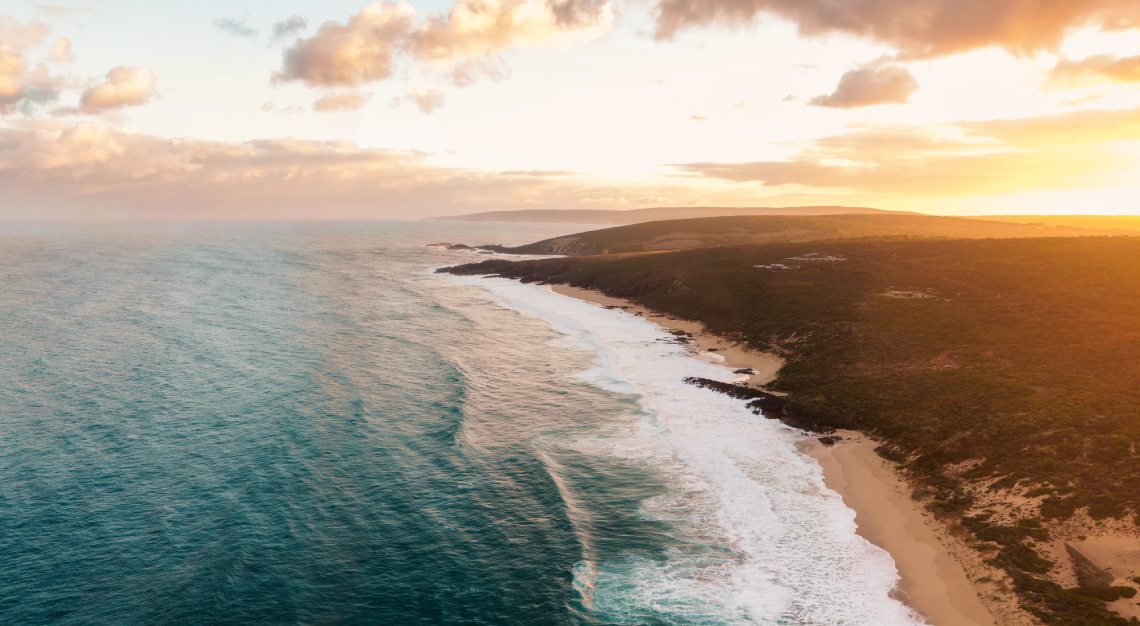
x,y
932,580
1119,555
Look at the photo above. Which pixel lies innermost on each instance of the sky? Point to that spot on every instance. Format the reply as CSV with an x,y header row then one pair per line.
x,y
353,110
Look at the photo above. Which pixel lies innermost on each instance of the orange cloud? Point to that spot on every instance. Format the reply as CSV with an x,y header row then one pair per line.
x,y
916,28
125,86
478,27
871,84
11,74
998,156
956,175
580,12
49,169
1061,132
21,36
357,52
342,101
470,71
1103,68
61,51
363,49
22,89
427,101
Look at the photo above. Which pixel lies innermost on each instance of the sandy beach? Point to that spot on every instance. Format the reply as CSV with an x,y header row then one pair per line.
x,y
933,579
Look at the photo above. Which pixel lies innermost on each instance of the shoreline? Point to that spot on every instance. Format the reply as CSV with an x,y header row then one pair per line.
x,y
932,579
713,348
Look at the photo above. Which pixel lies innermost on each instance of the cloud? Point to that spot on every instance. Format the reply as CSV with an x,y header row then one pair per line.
x,y
61,51
288,28
879,82
916,28
341,101
350,54
11,74
932,176
581,12
470,71
1076,129
995,156
237,28
23,90
51,169
427,100
272,107
1103,68
364,48
19,36
125,86
478,27
537,173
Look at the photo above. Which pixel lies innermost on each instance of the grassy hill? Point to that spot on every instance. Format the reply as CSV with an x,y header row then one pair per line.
x,y
996,370
1103,222
725,231
635,216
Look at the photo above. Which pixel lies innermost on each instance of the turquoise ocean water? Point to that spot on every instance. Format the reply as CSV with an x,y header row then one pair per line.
x,y
302,424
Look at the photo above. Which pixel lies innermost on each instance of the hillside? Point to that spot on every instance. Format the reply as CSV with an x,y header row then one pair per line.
x,y
1000,373
1123,223
726,231
637,216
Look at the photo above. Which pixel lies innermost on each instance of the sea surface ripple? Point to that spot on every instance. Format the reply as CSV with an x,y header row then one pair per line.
x,y
302,424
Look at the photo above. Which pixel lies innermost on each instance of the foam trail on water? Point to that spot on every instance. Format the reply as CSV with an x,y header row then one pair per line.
x,y
762,540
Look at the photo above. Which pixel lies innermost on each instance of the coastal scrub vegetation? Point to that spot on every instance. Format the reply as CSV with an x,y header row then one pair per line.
x,y
687,234
986,366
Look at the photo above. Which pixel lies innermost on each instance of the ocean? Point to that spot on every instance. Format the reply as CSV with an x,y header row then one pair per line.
x,y
301,423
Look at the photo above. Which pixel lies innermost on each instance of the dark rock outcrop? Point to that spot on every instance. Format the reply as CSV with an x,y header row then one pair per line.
x,y
772,406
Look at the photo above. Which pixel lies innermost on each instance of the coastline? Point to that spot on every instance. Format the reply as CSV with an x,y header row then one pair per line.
x,y
932,575
713,348
932,578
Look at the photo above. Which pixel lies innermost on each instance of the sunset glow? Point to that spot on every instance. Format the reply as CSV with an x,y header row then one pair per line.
x,y
533,312
124,109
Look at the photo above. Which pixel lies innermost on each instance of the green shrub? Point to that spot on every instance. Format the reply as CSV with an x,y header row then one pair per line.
x,y
1107,594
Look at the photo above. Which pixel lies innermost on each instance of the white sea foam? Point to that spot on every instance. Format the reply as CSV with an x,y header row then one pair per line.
x,y
769,543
